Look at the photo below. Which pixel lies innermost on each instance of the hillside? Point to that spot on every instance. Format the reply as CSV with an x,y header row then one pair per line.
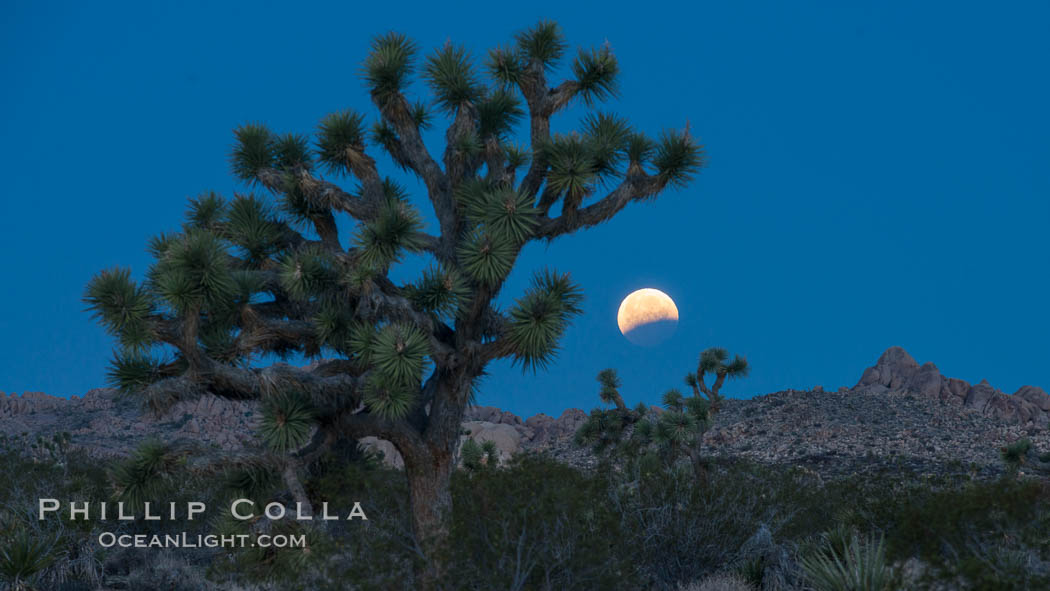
x,y
899,414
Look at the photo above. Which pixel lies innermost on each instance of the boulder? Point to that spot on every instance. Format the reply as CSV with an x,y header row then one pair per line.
x,y
1036,396
506,437
980,395
954,390
893,370
391,457
927,381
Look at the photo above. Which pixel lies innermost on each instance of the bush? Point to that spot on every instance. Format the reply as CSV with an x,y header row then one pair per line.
x,y
538,524
719,582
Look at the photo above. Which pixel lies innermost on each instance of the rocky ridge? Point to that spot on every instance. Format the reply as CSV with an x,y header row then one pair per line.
x,y
900,414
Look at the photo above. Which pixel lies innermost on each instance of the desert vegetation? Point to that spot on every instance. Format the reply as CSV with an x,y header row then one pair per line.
x,y
662,438
537,523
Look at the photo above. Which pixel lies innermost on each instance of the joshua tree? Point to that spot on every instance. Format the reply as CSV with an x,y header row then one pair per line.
x,y
713,361
671,434
245,280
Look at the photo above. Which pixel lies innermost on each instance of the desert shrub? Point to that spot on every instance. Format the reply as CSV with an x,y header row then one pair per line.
x,y
538,524
168,571
372,554
719,582
681,531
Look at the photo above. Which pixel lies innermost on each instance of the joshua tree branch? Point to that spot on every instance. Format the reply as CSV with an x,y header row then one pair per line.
x,y
718,382
465,123
396,112
326,194
543,102
637,185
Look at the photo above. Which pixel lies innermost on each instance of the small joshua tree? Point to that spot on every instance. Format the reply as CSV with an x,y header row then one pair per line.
x,y
253,277
669,435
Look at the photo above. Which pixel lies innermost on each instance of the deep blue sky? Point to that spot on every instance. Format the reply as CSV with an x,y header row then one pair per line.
x,y
879,174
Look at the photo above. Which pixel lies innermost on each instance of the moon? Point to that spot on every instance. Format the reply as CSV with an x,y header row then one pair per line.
x,y
647,317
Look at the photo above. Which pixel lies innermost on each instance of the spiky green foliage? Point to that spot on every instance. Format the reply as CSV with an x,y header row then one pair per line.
x,y
671,435
396,229
639,148
296,200
399,353
711,359
206,212
388,398
1014,454
471,454
451,76
477,456
608,137
306,272
441,290
292,150
388,66
543,43
516,156
486,258
287,421
675,426
24,555
122,306
144,475
253,151
510,215
250,226
422,116
540,317
673,399
859,565
573,167
595,71
677,158
341,140
194,273
131,371
715,360
498,113
610,387
332,325
504,65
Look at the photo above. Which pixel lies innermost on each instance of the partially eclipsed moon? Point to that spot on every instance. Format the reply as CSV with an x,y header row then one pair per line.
x,y
647,316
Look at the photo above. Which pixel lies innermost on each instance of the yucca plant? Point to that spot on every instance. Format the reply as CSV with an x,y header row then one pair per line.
x,y
276,274
145,474
24,557
847,564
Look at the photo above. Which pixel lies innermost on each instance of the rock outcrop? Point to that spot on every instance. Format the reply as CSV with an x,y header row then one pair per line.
x,y
896,370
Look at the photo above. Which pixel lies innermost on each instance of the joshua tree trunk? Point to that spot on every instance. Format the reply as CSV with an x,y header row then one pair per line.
x,y
698,462
429,473
290,475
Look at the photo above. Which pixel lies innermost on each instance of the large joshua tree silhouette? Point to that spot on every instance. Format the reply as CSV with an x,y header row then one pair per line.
x,y
245,278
